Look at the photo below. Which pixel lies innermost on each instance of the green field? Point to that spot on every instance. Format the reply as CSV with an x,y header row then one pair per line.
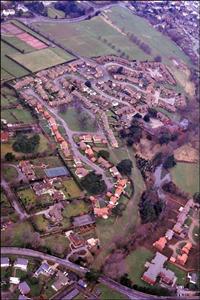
x,y
108,294
71,189
84,36
71,116
38,60
20,45
9,66
9,173
28,198
186,176
17,115
135,262
180,274
159,43
58,244
75,208
31,59
55,13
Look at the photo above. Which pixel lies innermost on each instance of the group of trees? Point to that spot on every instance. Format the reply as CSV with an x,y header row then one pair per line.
x,y
143,46
9,156
114,47
37,7
133,133
165,137
103,153
125,167
196,197
72,8
26,144
150,206
93,183
169,162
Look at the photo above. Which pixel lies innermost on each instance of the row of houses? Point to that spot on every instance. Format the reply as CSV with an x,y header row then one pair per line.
x,y
114,197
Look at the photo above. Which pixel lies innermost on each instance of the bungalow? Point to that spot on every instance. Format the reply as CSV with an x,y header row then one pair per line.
x,y
101,212
86,138
114,172
14,280
181,259
21,263
44,269
186,249
76,240
62,280
192,277
83,145
81,172
104,163
156,269
169,234
77,162
160,244
24,288
97,139
89,152
5,262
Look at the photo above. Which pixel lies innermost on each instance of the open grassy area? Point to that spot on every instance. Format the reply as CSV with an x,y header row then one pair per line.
x,y
17,115
186,176
55,13
75,208
58,244
180,274
9,66
135,262
71,189
40,222
159,43
107,294
38,60
9,173
28,198
72,117
19,44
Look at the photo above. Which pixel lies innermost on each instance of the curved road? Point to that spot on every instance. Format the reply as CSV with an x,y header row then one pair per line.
x,y
71,141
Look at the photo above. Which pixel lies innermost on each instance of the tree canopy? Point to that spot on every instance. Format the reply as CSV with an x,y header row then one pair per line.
x,y
9,156
103,153
92,275
93,183
196,197
125,167
170,162
25,144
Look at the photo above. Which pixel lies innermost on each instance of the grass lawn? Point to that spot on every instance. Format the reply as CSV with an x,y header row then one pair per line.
x,y
108,294
186,177
55,13
40,222
9,66
75,208
6,208
58,244
188,222
43,145
135,264
20,45
180,274
71,116
72,189
17,115
195,233
9,173
28,198
159,43
38,60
